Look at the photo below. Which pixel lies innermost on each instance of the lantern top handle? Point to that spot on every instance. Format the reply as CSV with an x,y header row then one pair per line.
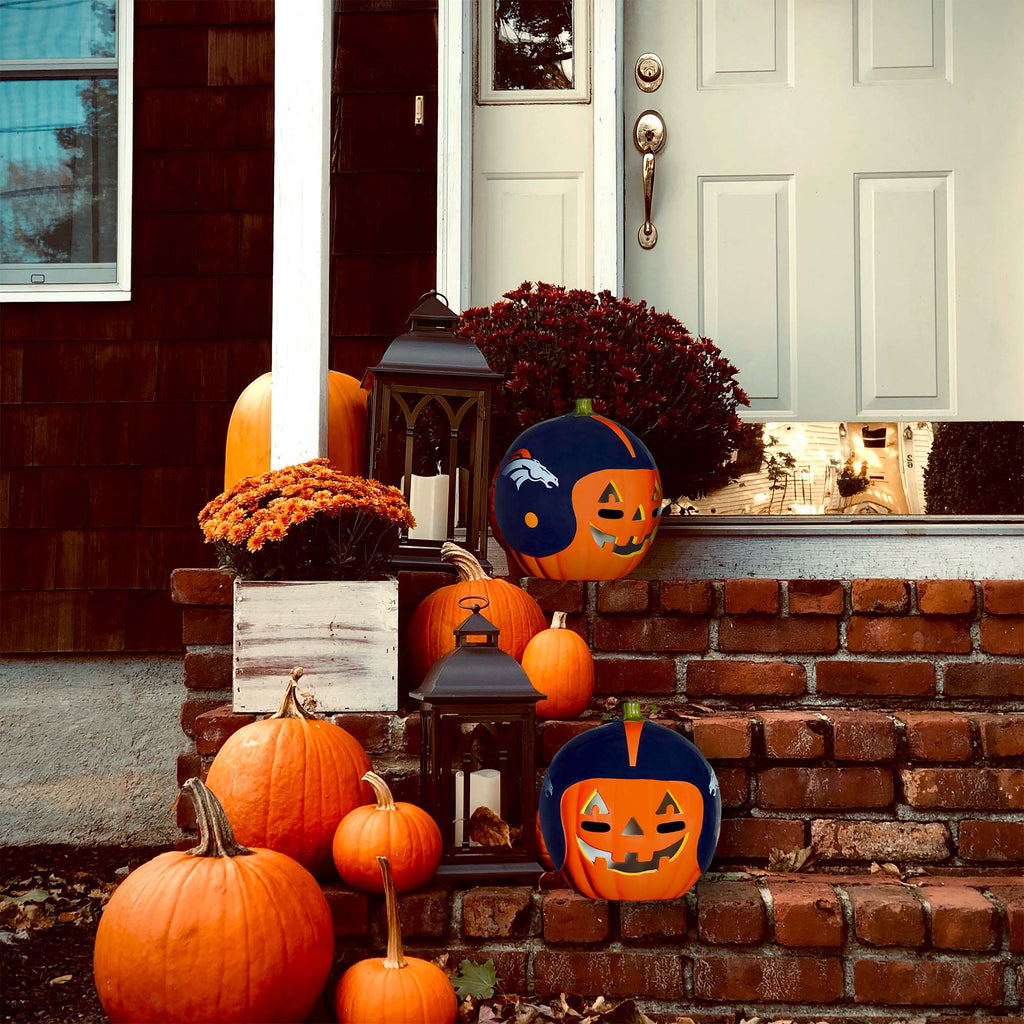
x,y
432,312
476,625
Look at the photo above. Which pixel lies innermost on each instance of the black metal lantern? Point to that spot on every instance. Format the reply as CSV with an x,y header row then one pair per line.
x,y
477,714
429,432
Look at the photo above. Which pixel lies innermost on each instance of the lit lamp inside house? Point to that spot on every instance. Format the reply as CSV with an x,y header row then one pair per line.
x,y
428,434
477,713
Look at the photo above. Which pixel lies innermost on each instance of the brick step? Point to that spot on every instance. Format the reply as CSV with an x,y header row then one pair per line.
x,y
781,941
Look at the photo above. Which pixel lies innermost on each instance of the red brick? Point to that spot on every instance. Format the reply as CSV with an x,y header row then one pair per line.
x,y
733,786
730,912
1001,841
815,597
749,596
1001,735
373,731
793,735
901,841
408,734
206,625
617,596
414,587
555,735
755,838
1012,900
880,597
826,788
875,678
630,633
722,738
190,766
745,679
807,914
1003,597
862,735
937,735
557,595
767,634
202,586
208,670
946,597
770,979
641,975
961,918
634,675
919,982
997,789
424,913
569,917
349,910
917,634
984,679
491,912
887,915
687,597
654,921
1003,635
214,727
191,709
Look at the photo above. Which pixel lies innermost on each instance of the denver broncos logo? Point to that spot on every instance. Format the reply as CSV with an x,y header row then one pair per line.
x,y
522,467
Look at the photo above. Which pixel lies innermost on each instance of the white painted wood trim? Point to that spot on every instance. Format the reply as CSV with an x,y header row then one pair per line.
x,y
454,150
607,101
299,329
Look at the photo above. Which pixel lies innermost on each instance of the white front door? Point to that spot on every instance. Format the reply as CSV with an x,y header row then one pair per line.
x,y
839,202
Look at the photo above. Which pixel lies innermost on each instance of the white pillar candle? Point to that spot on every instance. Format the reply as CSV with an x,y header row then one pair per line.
x,y
484,791
428,500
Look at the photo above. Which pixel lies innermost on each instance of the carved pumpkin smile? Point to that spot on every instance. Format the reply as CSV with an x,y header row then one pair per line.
x,y
632,865
631,547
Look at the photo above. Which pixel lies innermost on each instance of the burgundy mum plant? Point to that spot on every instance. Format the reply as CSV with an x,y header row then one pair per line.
x,y
673,389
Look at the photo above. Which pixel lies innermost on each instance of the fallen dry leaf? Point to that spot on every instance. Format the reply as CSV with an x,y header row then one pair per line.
x,y
61,980
794,860
885,869
487,829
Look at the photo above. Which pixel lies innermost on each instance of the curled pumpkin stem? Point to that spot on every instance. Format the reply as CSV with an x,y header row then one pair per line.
x,y
465,563
291,706
395,959
558,620
385,801
215,836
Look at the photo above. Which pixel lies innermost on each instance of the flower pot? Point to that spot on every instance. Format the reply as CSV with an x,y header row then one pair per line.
x,y
344,634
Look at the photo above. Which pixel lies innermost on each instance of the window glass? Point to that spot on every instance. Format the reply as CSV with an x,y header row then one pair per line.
x,y
894,468
57,29
533,44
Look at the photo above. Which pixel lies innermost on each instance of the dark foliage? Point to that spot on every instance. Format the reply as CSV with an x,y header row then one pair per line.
x,y
976,469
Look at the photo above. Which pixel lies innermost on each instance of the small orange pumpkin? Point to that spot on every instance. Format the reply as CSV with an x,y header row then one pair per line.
x,y
182,930
247,451
287,780
431,630
397,989
560,665
404,833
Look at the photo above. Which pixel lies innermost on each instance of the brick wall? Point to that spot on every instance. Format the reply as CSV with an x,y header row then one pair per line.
x,y
874,721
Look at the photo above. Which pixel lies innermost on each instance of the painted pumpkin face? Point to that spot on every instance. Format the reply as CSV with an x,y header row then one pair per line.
x,y
577,497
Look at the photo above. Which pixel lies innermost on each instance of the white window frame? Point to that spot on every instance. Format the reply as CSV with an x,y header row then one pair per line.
x,y
118,290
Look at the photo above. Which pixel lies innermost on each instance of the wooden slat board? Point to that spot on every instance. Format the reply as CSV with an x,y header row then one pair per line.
x,y
344,634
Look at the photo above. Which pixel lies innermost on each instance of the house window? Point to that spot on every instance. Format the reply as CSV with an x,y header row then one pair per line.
x,y
64,148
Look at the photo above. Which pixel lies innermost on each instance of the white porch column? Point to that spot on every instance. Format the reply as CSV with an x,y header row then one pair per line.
x,y
302,120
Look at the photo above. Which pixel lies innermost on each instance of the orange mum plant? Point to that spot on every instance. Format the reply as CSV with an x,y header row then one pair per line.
x,y
306,522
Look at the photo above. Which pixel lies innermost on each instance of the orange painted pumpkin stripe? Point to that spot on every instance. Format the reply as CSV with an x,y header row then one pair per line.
x,y
633,730
612,425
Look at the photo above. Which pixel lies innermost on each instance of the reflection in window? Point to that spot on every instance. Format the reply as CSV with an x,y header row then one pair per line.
x,y
57,29
533,44
895,468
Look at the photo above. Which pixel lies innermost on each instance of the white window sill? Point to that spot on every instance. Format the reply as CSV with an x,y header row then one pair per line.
x,y
66,293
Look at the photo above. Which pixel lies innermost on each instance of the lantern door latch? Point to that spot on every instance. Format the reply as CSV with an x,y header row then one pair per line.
x,y
649,138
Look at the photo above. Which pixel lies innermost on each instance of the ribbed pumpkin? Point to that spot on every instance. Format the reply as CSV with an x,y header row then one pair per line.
x,y
247,451
397,989
287,781
219,933
511,609
404,833
560,665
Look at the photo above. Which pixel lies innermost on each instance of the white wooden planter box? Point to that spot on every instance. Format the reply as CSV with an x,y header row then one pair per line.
x,y
344,634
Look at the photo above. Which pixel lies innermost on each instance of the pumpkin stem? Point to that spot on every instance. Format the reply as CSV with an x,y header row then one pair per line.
x,y
584,407
385,801
395,959
558,620
631,711
215,836
291,706
465,563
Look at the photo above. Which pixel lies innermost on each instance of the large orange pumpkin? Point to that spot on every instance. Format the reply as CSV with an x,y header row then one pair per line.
x,y
247,451
397,989
218,933
431,630
404,833
560,665
287,781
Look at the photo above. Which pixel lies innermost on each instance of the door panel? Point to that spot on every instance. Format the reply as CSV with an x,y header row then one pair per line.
x,y
838,200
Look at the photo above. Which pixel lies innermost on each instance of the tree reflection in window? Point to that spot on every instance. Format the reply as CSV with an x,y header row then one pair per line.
x,y
533,44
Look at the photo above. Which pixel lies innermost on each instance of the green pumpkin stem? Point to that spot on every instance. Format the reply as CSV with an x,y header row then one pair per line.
x,y
385,801
291,706
395,960
465,563
584,407
215,836
631,711
558,620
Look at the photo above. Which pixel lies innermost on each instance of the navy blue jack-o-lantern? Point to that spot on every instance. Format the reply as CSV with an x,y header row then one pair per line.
x,y
630,811
577,497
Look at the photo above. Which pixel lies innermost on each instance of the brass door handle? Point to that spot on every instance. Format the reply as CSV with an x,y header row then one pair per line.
x,y
648,137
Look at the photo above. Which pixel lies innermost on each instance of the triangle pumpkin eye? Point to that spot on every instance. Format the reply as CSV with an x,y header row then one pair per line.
x,y
668,803
595,805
